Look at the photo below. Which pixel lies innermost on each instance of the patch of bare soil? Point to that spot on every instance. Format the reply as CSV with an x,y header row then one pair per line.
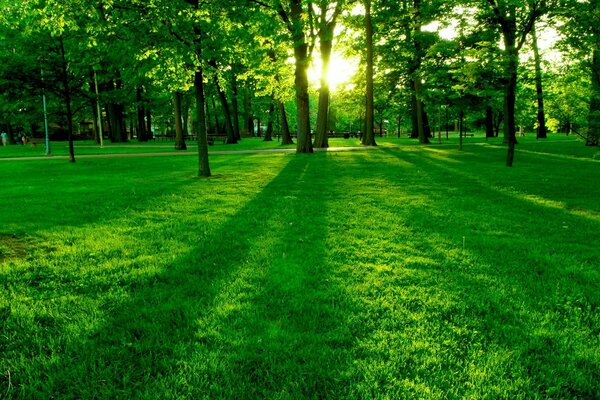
x,y
12,246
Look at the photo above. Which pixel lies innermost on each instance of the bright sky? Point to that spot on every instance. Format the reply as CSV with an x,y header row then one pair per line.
x,y
341,71
547,38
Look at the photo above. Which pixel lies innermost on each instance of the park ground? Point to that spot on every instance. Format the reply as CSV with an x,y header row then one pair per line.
x,y
404,271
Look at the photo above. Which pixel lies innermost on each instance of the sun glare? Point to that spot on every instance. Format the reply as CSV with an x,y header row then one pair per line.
x,y
341,71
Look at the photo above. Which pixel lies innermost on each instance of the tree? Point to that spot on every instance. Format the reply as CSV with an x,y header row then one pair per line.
x,y
368,138
541,115
297,19
179,139
515,19
327,21
582,36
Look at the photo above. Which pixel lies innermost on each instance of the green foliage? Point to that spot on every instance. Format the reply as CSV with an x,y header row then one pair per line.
x,y
153,45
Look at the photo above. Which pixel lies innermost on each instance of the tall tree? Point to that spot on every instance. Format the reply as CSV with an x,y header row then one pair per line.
x,y
515,20
582,33
419,113
297,17
179,138
368,138
539,88
327,21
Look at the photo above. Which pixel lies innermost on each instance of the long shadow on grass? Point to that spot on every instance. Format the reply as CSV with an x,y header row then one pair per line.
x,y
249,312
55,194
520,312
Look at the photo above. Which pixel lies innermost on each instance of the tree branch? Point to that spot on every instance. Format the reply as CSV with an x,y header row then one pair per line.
x,y
537,9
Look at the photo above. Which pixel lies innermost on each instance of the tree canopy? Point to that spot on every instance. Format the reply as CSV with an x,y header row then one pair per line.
x,y
129,69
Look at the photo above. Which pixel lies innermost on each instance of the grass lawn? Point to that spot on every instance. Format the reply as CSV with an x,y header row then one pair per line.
x,y
399,273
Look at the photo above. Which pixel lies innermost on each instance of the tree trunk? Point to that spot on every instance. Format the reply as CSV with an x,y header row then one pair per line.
x,y
67,94
461,120
489,122
248,124
271,117
512,64
422,129
593,137
422,120
203,165
235,109
185,115
304,144
541,116
215,115
414,133
179,139
11,133
286,137
142,136
369,134
114,113
322,128
226,113
497,122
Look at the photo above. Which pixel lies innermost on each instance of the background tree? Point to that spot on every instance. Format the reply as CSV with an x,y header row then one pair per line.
x,y
327,17
515,20
368,138
581,41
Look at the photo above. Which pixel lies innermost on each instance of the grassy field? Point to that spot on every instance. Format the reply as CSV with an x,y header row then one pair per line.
x,y
398,273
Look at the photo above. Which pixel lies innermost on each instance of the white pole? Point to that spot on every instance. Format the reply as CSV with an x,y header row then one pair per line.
x,y
100,133
45,115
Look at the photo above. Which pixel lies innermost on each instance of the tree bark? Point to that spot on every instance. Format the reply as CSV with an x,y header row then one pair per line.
x,y
185,115
420,121
235,107
369,134
217,127
322,128
512,64
249,125
226,112
286,136
461,120
489,122
203,165
179,139
541,116
414,132
304,144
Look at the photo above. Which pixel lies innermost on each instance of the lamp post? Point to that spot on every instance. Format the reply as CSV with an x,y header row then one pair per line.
x,y
100,133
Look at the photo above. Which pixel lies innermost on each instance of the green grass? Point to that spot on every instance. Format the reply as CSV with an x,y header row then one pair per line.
x,y
404,272
89,147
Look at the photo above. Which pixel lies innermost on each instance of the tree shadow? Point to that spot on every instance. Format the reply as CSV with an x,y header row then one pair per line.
x,y
521,316
56,196
242,314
